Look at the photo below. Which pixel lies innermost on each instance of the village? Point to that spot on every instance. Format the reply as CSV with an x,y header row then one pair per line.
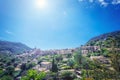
x,y
42,60
58,64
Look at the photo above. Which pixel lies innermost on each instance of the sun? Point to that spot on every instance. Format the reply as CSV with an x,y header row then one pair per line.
x,y
41,4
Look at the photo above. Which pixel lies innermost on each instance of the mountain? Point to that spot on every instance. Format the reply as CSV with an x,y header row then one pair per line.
x,y
12,47
104,38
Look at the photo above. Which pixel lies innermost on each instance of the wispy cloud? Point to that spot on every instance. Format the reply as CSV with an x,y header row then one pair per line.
x,y
103,3
116,2
9,32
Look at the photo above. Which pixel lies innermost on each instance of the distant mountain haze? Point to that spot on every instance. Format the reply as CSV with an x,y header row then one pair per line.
x,y
12,47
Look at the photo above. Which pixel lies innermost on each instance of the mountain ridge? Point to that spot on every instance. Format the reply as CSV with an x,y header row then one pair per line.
x,y
12,47
105,36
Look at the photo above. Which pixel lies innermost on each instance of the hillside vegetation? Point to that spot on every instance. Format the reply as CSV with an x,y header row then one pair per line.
x,y
12,47
104,40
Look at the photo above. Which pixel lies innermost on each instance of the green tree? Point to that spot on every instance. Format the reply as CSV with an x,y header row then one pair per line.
x,y
24,78
40,76
54,66
58,58
71,63
10,70
66,75
7,77
78,58
1,72
34,75
23,66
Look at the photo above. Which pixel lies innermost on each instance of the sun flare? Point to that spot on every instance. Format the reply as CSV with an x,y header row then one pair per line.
x,y
41,4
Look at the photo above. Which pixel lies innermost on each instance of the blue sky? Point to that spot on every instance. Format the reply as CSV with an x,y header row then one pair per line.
x,y
56,24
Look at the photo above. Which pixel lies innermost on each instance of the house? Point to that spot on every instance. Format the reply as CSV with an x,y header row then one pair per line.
x,y
101,59
47,65
39,68
88,49
18,67
35,61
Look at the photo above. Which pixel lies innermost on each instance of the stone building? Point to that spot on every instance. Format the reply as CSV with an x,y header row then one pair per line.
x,y
88,49
47,65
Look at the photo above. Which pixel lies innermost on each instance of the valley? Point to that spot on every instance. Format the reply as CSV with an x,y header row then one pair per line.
x,y
99,59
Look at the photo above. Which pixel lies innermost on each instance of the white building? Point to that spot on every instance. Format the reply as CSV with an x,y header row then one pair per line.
x,y
47,65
